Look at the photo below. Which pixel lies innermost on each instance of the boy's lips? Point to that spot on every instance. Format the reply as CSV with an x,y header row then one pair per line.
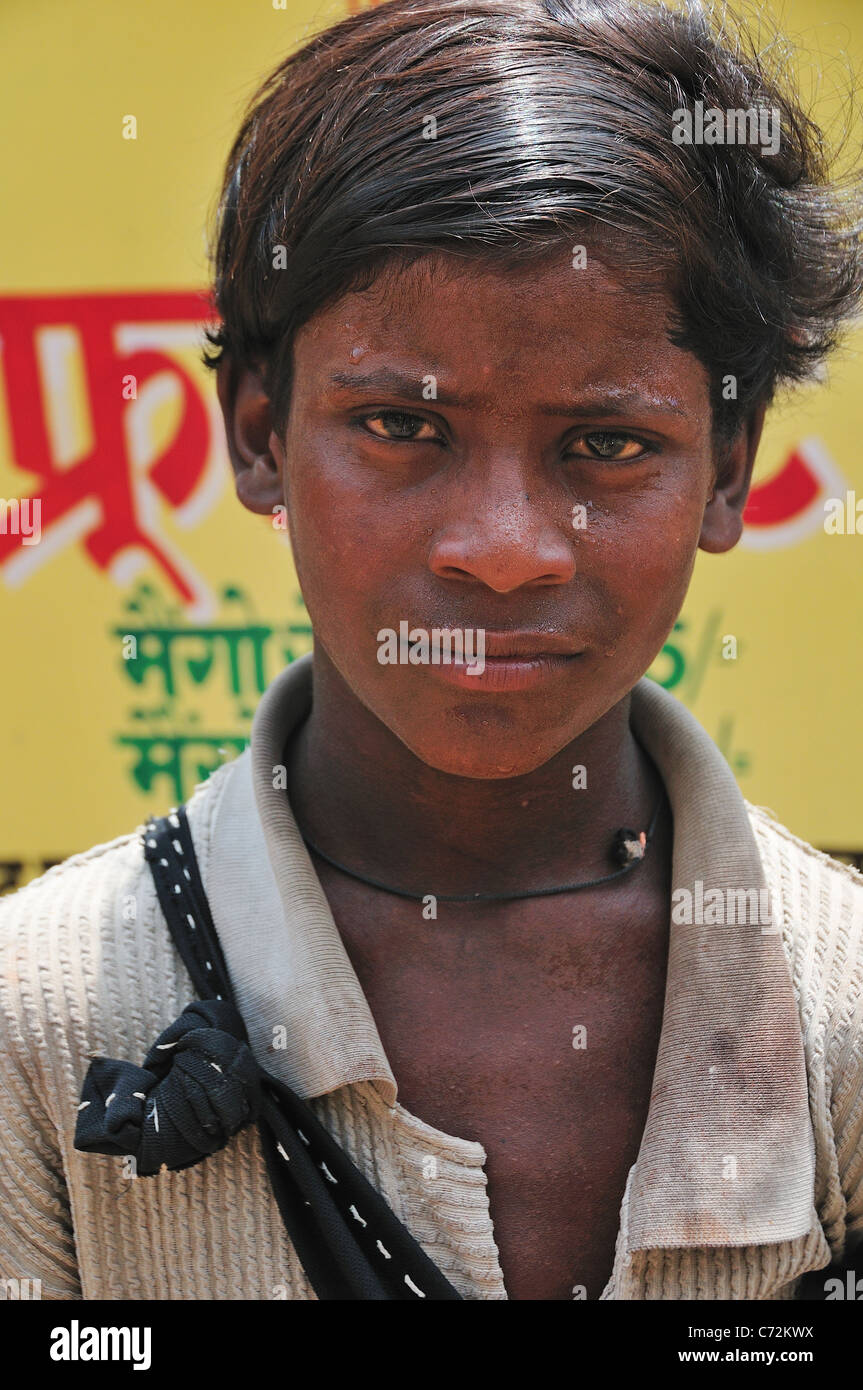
x,y
506,673
513,661
528,645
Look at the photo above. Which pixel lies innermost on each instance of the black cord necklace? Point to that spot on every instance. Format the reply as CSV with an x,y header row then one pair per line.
x,y
628,849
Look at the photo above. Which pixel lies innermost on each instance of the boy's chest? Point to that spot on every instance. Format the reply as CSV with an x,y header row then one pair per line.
x,y
533,1032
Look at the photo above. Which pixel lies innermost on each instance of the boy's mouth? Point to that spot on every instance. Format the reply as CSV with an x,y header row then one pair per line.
x,y
506,673
513,661
529,645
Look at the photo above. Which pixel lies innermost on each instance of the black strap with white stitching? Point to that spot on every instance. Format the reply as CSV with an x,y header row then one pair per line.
x,y
349,1241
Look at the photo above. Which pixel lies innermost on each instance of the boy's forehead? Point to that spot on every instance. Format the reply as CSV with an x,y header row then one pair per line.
x,y
443,314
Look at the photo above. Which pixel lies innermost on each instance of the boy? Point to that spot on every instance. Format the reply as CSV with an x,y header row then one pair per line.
x,y
501,342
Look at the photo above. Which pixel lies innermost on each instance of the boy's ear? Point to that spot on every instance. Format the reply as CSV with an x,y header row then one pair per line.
x,y
722,525
247,413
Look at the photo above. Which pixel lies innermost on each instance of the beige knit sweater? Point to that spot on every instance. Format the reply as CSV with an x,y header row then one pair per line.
x,y
750,1170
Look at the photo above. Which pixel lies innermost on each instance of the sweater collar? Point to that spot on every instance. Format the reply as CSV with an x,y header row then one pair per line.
x,y
727,1155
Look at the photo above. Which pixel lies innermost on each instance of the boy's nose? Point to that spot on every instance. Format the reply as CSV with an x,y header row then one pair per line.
x,y
506,539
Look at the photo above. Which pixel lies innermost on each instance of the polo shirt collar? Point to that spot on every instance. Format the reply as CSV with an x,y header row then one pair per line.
x,y
308,1020
727,1155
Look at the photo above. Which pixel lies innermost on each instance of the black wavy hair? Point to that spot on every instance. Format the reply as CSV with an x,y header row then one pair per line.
x,y
552,123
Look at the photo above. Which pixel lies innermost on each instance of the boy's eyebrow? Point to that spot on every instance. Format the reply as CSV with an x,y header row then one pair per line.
x,y
610,400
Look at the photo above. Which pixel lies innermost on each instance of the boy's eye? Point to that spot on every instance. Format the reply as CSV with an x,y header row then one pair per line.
x,y
398,425
604,444
401,426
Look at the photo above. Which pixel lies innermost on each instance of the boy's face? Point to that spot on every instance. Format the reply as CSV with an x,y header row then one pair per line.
x,y
522,452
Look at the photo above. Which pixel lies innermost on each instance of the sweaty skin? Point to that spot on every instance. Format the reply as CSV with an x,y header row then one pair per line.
x,y
446,498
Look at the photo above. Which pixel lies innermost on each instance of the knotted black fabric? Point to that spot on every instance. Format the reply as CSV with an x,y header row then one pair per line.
x,y
200,1084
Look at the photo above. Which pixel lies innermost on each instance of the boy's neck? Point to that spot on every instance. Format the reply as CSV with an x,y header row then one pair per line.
x,y
367,801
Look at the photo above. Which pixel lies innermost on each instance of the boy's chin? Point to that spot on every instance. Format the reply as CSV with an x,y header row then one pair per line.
x,y
488,759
